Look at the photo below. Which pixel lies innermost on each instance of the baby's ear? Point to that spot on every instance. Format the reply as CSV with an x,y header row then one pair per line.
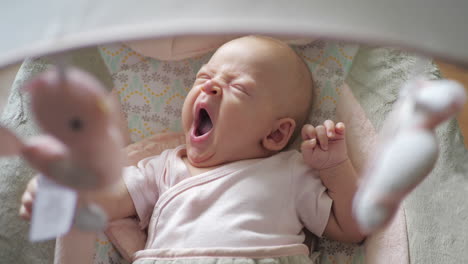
x,y
280,134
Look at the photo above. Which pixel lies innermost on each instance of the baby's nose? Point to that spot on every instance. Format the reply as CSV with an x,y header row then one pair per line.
x,y
211,88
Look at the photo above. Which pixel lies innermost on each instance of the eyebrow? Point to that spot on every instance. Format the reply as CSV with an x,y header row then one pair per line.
x,y
206,67
203,67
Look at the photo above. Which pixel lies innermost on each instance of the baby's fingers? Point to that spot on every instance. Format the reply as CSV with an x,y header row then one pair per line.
x,y
340,130
32,187
27,200
308,144
330,127
322,137
308,148
308,132
26,206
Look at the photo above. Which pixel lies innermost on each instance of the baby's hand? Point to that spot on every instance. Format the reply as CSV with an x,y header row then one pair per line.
x,y
324,146
27,200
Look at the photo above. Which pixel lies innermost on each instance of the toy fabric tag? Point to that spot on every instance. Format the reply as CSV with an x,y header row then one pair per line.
x,y
53,210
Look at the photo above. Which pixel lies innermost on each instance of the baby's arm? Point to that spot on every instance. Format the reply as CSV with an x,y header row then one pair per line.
x,y
116,202
324,149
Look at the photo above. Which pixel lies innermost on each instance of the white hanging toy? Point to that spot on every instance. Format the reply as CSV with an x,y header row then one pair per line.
x,y
80,150
408,149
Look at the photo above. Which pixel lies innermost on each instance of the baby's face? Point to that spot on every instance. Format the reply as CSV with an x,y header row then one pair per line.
x,y
230,107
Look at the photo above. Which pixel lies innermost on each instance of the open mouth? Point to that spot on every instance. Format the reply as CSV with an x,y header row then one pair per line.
x,y
204,124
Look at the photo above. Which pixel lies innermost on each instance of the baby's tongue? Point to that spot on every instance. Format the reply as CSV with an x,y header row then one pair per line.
x,y
205,126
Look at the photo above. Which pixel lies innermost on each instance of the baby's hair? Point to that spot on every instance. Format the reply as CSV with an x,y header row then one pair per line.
x,y
301,68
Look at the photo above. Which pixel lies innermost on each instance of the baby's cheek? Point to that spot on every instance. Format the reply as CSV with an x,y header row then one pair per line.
x,y
187,112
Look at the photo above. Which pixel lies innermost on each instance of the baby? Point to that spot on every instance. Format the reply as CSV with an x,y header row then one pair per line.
x,y
231,191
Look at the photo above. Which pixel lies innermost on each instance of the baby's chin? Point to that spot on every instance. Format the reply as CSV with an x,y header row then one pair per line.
x,y
201,160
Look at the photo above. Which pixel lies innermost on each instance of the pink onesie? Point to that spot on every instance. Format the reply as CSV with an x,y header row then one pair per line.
x,y
230,210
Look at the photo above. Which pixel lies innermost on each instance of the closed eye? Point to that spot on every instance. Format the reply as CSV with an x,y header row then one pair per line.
x,y
203,76
240,88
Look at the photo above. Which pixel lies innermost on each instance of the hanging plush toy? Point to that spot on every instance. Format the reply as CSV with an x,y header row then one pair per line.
x,y
408,151
81,149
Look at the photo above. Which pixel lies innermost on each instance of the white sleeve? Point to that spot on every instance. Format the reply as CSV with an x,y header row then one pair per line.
x,y
313,204
142,184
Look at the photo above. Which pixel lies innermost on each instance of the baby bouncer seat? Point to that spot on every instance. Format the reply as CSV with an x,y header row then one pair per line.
x,y
355,83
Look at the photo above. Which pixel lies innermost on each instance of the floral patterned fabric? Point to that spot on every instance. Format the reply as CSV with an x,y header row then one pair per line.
x,y
152,92
105,252
332,252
